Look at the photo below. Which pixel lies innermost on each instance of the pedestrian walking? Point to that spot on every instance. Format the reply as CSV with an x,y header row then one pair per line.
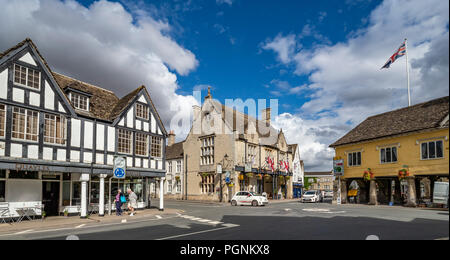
x,y
132,201
119,200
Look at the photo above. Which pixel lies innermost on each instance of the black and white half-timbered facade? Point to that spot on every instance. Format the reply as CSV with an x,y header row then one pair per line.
x,y
59,137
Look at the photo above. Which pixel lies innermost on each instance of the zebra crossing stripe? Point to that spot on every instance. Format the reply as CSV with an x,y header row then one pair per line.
x,y
215,222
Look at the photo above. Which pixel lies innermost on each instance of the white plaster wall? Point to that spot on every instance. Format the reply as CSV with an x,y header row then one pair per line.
x,y
142,99
27,58
152,164
33,152
74,156
100,137
2,148
129,162
18,95
99,158
48,153
110,159
153,124
130,117
76,129
111,138
16,150
4,84
87,157
122,122
138,124
61,108
61,155
35,99
146,126
88,134
49,101
137,162
145,163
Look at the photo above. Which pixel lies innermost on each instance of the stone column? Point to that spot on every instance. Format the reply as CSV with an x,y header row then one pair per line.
x,y
101,201
411,198
373,193
343,191
161,194
84,179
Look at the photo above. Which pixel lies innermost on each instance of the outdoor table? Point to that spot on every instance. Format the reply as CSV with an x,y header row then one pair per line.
x,y
24,212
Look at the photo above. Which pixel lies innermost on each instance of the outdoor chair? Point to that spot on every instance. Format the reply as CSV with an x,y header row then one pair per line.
x,y
4,212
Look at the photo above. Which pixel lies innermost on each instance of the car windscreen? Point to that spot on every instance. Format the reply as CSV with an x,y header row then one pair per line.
x,y
310,193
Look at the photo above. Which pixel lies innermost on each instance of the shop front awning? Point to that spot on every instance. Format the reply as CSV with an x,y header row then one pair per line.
x,y
72,167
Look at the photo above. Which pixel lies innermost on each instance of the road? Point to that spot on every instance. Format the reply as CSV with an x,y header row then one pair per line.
x,y
280,221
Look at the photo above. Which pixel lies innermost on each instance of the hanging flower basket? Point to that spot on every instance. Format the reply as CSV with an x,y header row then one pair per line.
x,y
259,176
250,175
230,185
204,174
368,175
267,177
241,177
177,178
403,173
287,178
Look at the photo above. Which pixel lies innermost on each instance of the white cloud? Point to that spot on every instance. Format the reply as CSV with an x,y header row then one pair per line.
x,y
283,46
229,2
346,80
105,45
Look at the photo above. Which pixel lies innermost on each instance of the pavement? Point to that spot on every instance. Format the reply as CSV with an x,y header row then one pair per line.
x,y
280,220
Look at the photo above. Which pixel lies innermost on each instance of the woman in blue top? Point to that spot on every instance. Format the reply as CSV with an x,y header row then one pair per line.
x,y
118,202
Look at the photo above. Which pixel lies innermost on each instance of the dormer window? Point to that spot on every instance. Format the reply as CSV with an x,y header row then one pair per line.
x,y
142,111
79,101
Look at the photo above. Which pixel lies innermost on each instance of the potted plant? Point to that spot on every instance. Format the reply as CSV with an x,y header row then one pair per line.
x,y
44,214
368,175
66,213
204,175
403,173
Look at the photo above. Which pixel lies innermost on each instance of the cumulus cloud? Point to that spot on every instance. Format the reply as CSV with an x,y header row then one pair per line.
x,y
105,45
346,81
283,46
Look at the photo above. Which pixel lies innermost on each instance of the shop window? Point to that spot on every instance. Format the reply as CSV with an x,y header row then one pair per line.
x,y
76,193
66,193
354,159
95,192
2,191
432,150
388,155
29,175
2,174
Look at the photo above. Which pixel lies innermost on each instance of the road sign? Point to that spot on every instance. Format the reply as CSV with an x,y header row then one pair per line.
x,y
338,167
119,167
219,169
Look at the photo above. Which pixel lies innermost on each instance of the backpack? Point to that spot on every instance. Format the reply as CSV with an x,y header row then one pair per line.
x,y
123,199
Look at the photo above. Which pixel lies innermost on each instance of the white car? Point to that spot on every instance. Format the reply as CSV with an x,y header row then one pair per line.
x,y
248,198
311,196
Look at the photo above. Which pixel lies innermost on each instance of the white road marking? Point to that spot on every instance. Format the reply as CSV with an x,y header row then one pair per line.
x,y
203,220
158,216
124,221
195,219
230,225
372,237
72,237
316,210
215,222
23,232
200,232
82,225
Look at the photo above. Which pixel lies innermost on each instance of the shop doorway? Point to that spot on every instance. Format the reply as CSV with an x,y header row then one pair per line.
x,y
50,197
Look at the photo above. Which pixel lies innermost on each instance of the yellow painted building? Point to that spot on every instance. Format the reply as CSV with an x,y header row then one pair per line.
x,y
414,139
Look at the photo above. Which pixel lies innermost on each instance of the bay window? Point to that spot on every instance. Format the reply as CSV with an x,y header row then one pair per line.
x,y
25,124
55,129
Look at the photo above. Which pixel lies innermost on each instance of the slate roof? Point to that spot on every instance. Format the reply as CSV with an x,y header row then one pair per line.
x,y
174,151
427,115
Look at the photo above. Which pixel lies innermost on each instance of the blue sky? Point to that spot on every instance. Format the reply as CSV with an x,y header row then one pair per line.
x,y
321,59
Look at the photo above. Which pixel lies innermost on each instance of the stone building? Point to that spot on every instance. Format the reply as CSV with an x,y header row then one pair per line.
x,y
251,154
175,176
322,181
396,157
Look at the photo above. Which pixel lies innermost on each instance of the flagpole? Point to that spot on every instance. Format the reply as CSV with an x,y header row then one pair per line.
x,y
407,72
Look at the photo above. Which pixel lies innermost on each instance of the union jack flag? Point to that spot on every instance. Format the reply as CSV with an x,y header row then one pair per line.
x,y
399,53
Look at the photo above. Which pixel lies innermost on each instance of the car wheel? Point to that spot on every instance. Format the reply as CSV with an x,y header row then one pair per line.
x,y
254,203
233,203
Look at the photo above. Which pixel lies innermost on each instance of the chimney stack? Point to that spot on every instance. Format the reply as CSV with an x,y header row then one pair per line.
x,y
266,113
171,138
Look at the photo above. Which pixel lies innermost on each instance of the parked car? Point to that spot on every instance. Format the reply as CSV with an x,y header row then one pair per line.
x,y
249,198
328,194
312,196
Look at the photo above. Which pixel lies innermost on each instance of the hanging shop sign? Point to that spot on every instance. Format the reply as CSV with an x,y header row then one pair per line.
x,y
338,167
